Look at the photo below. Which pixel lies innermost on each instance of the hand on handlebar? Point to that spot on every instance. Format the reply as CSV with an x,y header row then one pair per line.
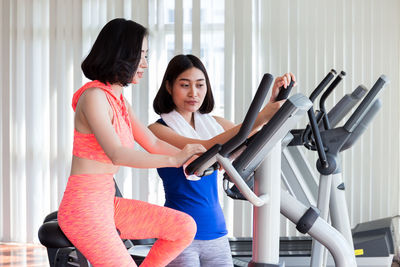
x,y
281,83
187,152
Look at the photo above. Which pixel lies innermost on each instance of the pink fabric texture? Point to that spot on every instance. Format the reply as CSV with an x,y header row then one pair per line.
x,y
90,214
86,145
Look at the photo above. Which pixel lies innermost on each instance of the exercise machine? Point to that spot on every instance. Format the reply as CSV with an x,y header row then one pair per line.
x,y
267,197
337,140
256,162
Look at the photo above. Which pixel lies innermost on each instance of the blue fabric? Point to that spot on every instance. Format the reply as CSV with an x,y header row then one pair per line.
x,y
199,199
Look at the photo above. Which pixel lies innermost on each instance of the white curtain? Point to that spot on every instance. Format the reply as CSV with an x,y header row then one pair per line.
x,y
309,38
42,46
43,43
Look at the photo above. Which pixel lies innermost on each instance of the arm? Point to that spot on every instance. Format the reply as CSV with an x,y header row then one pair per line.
x,y
94,106
170,136
146,138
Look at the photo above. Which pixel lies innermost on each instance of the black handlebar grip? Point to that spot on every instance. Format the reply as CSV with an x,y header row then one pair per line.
x,y
241,136
362,108
197,163
322,85
284,92
250,117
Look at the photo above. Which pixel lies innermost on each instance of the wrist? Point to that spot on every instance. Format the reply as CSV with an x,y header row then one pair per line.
x,y
265,116
171,161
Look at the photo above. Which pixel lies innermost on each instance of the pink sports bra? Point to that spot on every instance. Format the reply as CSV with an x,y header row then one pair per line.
x,y
86,145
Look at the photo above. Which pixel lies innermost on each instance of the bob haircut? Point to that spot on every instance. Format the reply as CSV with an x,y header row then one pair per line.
x,y
163,102
116,53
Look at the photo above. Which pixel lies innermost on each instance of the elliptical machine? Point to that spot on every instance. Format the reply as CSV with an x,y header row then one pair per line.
x,y
328,144
331,194
258,162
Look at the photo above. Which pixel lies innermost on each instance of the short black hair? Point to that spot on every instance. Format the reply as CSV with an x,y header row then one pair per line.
x,y
116,53
163,102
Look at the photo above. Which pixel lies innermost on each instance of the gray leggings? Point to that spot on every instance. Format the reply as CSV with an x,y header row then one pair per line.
x,y
205,253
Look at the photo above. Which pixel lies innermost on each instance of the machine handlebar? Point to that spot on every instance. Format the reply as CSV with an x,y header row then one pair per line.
x,y
250,117
198,166
363,108
284,92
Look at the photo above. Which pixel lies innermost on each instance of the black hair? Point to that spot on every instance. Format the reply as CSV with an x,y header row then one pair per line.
x,y
116,53
163,102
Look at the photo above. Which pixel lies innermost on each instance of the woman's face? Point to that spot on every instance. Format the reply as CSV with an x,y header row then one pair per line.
x,y
189,90
142,64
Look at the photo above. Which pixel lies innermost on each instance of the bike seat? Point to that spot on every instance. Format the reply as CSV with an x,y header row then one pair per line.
x,y
51,235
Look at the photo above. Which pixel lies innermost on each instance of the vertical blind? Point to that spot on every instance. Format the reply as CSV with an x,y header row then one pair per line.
x,y
43,43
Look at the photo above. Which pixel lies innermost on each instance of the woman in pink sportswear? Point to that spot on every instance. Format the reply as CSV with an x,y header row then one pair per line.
x,y
92,218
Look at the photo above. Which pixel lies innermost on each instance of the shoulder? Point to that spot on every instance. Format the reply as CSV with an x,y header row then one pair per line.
x,y
161,121
94,92
159,125
226,124
92,99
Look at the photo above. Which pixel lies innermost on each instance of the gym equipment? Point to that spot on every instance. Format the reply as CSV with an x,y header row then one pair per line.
x,y
378,239
266,241
339,139
285,92
225,149
297,175
267,197
299,180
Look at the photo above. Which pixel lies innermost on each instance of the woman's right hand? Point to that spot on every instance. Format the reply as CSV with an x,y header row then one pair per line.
x,y
187,152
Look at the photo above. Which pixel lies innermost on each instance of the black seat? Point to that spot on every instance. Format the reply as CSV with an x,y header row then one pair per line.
x,y
60,251
51,236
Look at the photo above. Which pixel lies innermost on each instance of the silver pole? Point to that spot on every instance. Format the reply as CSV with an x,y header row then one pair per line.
x,y
338,208
266,219
318,252
342,253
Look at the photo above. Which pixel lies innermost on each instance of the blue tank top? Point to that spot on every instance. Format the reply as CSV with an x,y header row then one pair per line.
x,y
199,199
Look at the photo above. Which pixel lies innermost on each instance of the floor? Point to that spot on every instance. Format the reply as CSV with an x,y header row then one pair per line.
x,y
30,255
22,255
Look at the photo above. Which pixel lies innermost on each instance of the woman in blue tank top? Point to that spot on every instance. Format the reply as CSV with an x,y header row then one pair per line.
x,y
184,102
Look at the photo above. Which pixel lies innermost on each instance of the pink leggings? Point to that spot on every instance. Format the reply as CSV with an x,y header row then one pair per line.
x,y
90,215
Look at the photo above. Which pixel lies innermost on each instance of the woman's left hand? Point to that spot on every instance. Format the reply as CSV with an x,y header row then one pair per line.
x,y
284,81
273,106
